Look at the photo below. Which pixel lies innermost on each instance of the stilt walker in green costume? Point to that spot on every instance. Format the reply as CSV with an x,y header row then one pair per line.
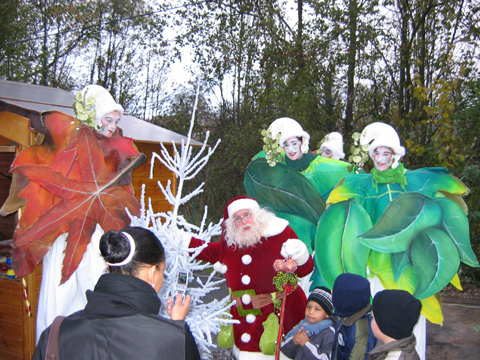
x,y
409,227
292,181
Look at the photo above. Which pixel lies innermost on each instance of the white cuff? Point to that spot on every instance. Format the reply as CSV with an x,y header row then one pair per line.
x,y
186,238
219,267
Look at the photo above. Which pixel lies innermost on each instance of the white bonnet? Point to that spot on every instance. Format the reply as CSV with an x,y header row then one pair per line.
x,y
380,134
334,143
288,128
104,103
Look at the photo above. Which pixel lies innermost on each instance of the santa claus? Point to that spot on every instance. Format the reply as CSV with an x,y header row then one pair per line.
x,y
253,238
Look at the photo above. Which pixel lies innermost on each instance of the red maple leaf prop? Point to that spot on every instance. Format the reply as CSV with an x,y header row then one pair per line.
x,y
72,189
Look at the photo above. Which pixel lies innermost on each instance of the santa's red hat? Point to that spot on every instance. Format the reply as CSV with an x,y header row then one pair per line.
x,y
239,203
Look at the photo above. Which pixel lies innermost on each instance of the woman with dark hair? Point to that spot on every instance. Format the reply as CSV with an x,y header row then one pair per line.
x,y
120,319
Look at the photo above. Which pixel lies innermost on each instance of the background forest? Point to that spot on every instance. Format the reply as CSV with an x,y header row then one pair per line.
x,y
333,65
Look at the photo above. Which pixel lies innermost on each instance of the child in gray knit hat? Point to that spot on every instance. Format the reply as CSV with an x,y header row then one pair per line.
x,y
395,313
313,337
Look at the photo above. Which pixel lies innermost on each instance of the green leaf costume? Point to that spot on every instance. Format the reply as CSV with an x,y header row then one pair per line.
x,y
418,238
293,191
292,194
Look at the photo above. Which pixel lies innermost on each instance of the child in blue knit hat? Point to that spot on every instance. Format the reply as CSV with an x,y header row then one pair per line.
x,y
351,299
314,336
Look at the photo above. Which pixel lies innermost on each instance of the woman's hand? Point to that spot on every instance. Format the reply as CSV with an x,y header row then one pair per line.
x,y
180,309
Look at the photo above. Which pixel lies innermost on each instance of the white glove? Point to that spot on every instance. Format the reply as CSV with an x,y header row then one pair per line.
x,y
295,249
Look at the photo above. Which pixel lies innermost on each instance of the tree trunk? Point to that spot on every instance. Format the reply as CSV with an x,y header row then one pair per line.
x,y
352,53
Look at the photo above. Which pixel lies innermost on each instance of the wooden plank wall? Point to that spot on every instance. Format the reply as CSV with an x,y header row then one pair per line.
x,y
17,326
7,154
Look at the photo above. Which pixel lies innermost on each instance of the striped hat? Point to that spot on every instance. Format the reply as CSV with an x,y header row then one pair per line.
x,y
323,297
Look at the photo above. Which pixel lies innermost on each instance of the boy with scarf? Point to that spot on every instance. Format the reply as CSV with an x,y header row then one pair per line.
x,y
313,337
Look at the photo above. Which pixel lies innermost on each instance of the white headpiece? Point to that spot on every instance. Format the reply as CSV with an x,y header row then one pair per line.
x,y
380,134
334,143
130,254
289,128
104,103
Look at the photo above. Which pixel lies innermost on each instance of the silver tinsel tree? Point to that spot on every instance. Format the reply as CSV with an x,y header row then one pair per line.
x,y
174,232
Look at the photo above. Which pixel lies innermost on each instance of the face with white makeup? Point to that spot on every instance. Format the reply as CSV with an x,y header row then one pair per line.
x,y
383,158
327,153
293,148
109,123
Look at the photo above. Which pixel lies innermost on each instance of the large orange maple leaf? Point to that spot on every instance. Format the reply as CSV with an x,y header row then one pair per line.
x,y
78,200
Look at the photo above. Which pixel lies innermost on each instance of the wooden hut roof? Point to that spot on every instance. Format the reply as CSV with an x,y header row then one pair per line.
x,y
32,100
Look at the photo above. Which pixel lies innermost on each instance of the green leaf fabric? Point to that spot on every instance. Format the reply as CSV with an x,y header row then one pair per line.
x,y
337,249
400,262
426,181
405,217
304,229
323,173
435,260
283,190
455,224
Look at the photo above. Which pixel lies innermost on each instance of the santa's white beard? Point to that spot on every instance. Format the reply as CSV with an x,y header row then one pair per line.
x,y
245,238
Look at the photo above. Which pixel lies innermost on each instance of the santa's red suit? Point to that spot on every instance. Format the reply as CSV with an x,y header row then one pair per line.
x,y
249,274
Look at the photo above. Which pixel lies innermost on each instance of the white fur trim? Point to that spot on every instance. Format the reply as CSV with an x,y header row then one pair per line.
x,y
186,238
246,280
220,268
241,204
246,259
246,299
246,337
250,318
250,355
275,227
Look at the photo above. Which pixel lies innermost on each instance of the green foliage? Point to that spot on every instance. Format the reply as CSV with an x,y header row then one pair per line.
x,y
83,109
273,150
284,278
359,153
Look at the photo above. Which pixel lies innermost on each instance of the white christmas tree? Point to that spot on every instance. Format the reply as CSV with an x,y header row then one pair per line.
x,y
204,319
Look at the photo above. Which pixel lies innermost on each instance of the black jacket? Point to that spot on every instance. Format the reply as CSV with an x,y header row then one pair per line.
x,y
120,322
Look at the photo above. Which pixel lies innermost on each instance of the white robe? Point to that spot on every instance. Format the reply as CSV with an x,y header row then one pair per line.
x,y
65,299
